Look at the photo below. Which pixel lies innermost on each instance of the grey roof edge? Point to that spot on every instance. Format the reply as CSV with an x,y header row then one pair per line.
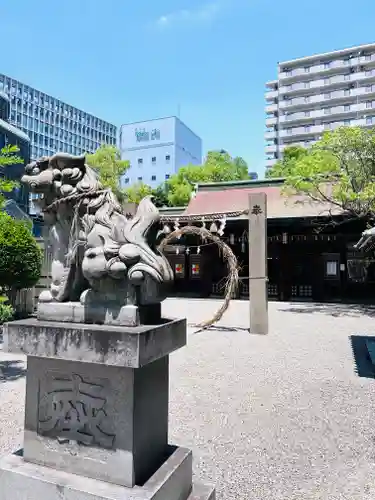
x,y
247,182
332,53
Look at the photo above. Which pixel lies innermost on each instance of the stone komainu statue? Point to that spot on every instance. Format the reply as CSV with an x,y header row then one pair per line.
x,y
99,255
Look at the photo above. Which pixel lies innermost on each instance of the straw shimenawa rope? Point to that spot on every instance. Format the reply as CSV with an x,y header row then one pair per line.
x,y
74,197
231,284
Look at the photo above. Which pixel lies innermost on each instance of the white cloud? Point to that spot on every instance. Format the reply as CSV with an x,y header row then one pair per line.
x,y
204,14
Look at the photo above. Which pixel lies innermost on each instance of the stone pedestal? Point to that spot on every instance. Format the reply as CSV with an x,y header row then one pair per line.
x,y
96,414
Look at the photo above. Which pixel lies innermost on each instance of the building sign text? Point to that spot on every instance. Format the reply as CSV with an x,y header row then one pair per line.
x,y
142,135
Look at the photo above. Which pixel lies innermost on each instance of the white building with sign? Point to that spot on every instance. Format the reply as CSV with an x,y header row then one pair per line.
x,y
156,149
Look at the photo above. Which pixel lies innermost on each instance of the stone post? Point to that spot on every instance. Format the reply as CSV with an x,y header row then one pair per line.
x,y
258,263
96,414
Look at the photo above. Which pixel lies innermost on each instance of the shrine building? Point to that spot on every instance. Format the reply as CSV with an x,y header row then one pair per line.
x,y
310,251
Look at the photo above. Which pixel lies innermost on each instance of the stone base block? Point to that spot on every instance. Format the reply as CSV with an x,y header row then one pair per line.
x,y
100,314
96,396
20,480
131,347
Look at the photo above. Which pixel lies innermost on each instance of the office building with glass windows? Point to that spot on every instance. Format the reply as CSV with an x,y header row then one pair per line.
x,y
156,149
17,200
53,125
318,93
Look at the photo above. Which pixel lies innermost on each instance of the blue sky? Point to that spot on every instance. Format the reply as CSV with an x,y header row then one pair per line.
x,y
127,60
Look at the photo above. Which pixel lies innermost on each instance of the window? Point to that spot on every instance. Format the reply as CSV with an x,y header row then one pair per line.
x,y
140,161
331,268
289,131
369,88
327,95
307,69
167,158
327,65
307,99
326,81
368,72
369,120
307,128
327,111
347,77
368,57
347,92
347,107
307,85
347,122
153,177
327,126
369,104
166,176
139,178
153,159
127,180
307,113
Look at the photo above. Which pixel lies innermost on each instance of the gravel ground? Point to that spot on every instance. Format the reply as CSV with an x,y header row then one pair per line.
x,y
280,417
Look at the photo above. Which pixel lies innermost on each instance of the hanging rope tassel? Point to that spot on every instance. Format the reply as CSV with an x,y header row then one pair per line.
x,y
231,284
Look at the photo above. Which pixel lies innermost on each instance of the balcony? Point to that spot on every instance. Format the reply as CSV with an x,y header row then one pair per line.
x,y
302,144
326,84
298,131
347,95
345,110
270,122
309,101
272,148
325,68
368,60
296,117
271,95
364,76
271,163
317,130
272,84
270,135
271,108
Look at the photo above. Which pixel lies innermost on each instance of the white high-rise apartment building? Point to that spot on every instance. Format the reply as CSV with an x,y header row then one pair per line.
x,y
318,93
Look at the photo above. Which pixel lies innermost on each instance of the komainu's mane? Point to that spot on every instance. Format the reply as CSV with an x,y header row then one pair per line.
x,y
88,194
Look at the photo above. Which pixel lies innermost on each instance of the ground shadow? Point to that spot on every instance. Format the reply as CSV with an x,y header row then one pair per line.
x,y
216,328
363,348
337,310
11,370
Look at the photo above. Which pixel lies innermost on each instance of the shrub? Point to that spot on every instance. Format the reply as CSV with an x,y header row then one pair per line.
x,y
6,313
20,256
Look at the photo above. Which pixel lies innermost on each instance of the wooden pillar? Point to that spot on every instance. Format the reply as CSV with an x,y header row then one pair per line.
x,y
258,263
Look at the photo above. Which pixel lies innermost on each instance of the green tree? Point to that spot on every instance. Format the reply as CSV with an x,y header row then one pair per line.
x,y
160,196
136,192
286,165
20,256
107,162
8,157
218,166
338,170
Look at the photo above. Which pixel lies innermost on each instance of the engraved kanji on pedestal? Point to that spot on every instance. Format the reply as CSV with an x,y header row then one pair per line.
x,y
74,410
